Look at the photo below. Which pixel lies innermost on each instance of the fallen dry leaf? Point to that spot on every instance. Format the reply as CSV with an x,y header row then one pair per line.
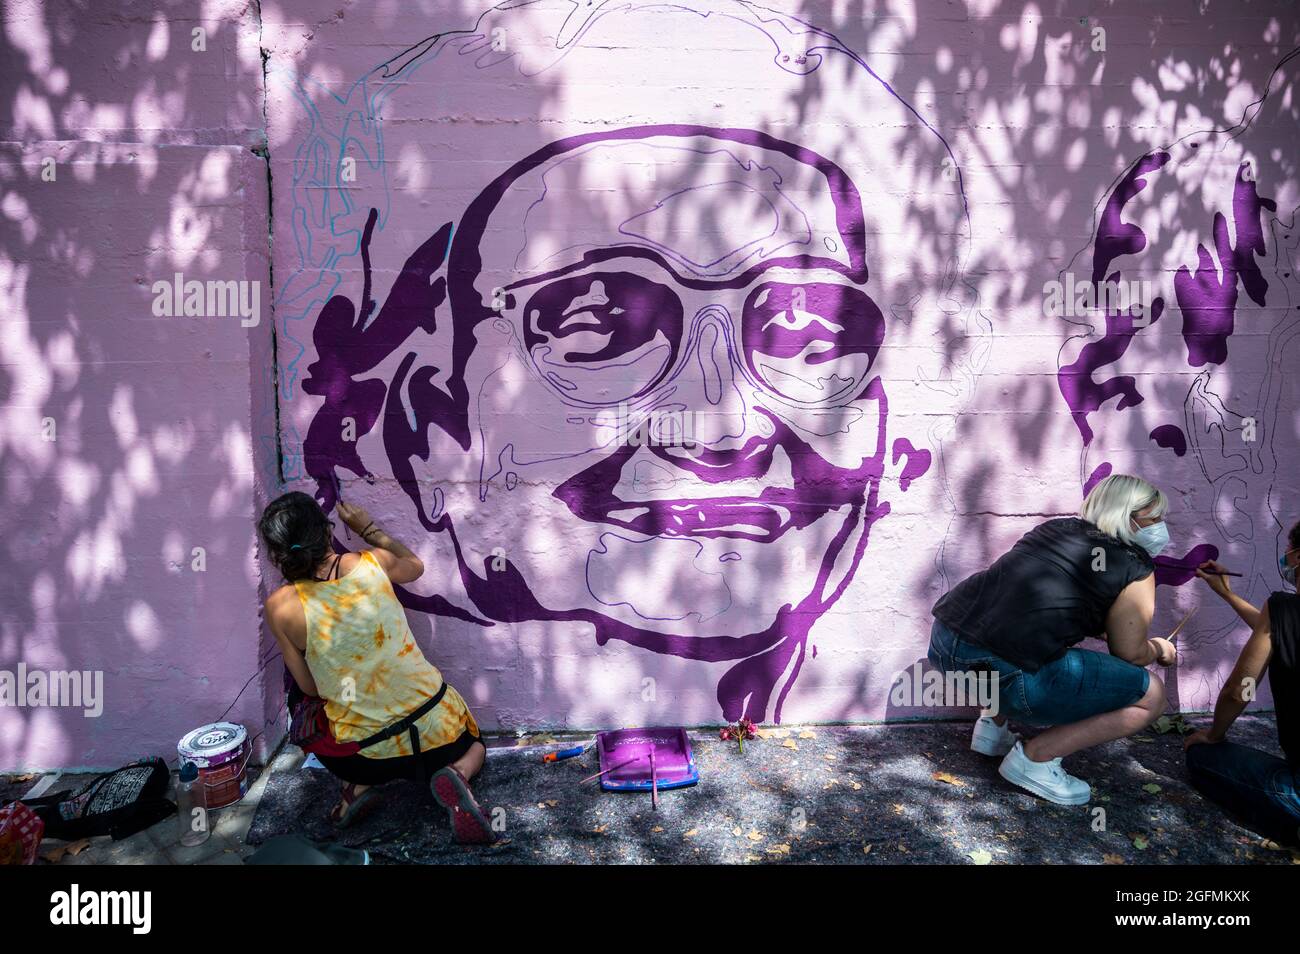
x,y
657,828
979,856
779,850
866,849
1112,859
692,833
73,848
945,777
754,835
790,744
807,734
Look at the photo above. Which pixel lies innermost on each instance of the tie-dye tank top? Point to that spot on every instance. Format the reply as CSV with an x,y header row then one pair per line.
x,y
367,666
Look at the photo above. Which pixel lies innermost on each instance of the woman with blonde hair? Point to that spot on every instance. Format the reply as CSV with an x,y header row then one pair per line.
x,y
1018,621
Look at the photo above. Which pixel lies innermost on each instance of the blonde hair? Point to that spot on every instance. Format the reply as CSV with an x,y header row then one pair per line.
x,y
1111,504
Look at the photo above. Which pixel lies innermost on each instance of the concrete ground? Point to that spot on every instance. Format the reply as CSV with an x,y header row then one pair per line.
x,y
159,845
895,794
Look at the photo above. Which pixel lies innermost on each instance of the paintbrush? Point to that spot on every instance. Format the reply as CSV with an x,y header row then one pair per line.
x,y
654,783
1188,566
338,499
612,768
1181,624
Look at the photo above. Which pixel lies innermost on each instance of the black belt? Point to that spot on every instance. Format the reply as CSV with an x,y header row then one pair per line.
x,y
408,725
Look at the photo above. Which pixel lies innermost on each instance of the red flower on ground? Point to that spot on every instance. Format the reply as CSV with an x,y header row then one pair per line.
x,y
742,730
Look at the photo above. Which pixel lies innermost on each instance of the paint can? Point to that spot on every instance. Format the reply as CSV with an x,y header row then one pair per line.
x,y
220,751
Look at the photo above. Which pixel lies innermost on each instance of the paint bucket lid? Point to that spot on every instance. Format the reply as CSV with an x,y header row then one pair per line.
x,y
211,745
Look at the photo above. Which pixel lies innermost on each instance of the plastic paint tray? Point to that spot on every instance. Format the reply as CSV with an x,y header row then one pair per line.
x,y
674,762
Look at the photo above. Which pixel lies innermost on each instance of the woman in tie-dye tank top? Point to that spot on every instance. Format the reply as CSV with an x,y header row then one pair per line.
x,y
345,639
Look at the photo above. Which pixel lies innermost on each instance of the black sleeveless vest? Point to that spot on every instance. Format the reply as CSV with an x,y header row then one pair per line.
x,y
1284,671
1051,590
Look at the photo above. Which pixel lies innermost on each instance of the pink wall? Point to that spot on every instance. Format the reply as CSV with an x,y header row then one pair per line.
x,y
889,194
163,427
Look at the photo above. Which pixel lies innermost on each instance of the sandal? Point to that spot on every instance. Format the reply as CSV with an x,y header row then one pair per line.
x,y
468,823
353,807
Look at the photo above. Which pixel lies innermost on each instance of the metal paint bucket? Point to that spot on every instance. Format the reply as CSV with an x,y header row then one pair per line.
x,y
220,751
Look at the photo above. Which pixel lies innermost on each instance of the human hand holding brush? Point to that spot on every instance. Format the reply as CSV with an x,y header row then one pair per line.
x,y
1166,652
1216,578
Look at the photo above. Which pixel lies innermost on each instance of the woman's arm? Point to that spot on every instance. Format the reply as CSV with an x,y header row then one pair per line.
x,y
401,565
1128,625
1212,574
1243,685
277,608
1129,621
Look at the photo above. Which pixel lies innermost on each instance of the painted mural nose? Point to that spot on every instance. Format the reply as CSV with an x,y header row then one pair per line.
x,y
718,411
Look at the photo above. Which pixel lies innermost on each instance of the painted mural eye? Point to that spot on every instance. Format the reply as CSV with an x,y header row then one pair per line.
x,y
812,343
605,337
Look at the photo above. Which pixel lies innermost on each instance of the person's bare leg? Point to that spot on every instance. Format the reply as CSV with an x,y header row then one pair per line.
x,y
1062,740
469,823
469,764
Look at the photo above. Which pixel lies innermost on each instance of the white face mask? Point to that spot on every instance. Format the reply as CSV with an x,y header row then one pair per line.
x,y
1153,539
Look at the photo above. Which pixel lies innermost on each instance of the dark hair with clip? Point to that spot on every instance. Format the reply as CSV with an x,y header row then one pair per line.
x,y
296,533
1293,538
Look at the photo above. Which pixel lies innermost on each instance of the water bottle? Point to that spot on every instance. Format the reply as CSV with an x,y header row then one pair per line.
x,y
191,806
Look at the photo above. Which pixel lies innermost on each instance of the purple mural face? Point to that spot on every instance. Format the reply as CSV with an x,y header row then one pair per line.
x,y
678,384
1178,394
653,385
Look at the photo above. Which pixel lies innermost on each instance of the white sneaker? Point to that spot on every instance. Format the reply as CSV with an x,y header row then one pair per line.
x,y
1045,779
989,738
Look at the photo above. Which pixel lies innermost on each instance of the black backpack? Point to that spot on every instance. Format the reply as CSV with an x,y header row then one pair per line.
x,y
118,803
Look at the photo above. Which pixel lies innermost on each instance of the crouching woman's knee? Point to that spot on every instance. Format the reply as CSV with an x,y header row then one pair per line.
x,y
1154,699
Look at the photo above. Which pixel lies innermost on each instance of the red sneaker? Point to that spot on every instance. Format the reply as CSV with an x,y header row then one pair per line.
x,y
468,823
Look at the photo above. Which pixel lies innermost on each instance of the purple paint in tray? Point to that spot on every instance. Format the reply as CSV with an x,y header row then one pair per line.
x,y
674,762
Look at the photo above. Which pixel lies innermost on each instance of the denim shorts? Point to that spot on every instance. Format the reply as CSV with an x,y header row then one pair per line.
x,y
1080,684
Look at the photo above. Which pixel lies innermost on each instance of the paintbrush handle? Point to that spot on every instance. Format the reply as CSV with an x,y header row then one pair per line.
x,y
654,782
612,768
1188,566
1181,624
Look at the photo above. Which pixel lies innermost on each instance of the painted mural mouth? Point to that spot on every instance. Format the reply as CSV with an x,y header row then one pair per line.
x,y
763,519
591,496
742,517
